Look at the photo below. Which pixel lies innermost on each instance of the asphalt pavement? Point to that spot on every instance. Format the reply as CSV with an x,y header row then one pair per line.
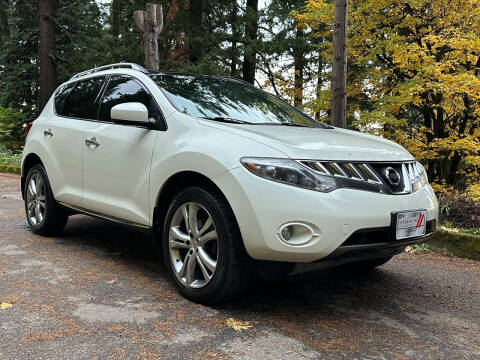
x,y
98,292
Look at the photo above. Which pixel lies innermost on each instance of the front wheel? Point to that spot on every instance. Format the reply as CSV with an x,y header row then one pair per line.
x,y
203,248
44,216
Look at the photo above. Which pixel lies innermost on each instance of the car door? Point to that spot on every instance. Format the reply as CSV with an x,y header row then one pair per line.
x,y
64,132
117,157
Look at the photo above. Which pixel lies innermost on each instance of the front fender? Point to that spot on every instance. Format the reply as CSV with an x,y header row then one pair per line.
x,y
211,158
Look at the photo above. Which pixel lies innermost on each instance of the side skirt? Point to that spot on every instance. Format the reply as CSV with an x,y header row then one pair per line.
x,y
130,224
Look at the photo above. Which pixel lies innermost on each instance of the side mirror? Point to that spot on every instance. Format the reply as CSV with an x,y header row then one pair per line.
x,y
131,113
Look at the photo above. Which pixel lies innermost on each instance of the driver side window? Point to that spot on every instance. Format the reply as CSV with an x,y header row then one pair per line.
x,y
121,89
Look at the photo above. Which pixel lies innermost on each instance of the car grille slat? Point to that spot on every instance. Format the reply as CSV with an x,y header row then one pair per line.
x,y
338,170
352,171
369,173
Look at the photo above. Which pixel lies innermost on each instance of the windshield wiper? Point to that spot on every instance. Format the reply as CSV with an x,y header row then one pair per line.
x,y
287,124
224,119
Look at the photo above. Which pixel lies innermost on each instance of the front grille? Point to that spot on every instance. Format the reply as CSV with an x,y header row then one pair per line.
x,y
373,176
380,235
369,236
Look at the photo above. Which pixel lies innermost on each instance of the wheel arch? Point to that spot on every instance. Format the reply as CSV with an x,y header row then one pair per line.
x,y
174,184
29,161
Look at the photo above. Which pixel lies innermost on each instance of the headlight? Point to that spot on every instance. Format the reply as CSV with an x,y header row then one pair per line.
x,y
290,172
420,179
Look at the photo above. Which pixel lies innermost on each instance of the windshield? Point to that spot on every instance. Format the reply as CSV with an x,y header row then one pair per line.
x,y
229,100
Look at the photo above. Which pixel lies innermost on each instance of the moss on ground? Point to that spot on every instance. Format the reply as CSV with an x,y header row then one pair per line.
x,y
457,243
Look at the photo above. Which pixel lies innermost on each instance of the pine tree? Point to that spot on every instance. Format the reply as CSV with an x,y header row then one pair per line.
x,y
290,48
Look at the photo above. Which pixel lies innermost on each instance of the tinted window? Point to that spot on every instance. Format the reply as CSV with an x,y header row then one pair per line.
x,y
81,101
120,90
61,95
205,96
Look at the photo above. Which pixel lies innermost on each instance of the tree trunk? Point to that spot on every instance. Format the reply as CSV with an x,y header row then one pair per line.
x,y
46,51
196,41
319,81
339,64
4,29
452,173
456,158
427,116
233,56
150,23
177,50
115,13
251,29
299,64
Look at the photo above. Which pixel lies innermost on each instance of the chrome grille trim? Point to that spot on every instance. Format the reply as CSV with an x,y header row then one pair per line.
x,y
340,171
370,173
364,172
349,170
353,171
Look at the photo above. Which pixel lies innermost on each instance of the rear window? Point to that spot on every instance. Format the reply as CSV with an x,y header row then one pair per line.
x,y
81,100
61,95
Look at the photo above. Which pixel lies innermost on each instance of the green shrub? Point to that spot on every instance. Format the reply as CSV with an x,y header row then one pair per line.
x,y
11,129
459,211
10,161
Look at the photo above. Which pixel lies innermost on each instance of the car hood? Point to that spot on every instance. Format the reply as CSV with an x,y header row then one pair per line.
x,y
319,143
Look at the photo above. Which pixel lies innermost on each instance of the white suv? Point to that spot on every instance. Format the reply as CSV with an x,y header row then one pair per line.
x,y
229,179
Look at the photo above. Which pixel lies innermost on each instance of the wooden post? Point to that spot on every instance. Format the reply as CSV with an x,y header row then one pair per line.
x,y
150,23
339,64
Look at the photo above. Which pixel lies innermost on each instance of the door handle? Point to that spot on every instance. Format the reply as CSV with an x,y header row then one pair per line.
x,y
92,142
48,132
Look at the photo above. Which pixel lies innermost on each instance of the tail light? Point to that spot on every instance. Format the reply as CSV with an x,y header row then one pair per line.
x,y
27,128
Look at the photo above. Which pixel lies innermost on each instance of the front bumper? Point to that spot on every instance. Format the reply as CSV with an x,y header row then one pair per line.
x,y
262,206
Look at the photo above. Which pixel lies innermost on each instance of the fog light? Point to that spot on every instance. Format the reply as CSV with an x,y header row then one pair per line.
x,y
287,233
298,233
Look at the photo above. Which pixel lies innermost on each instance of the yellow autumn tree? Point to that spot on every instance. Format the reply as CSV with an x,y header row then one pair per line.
x,y
415,78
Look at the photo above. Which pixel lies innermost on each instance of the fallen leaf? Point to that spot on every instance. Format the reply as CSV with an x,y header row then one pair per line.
x,y
5,305
111,282
238,325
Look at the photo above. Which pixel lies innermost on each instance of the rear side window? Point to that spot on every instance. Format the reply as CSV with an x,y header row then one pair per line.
x,y
80,103
121,89
61,95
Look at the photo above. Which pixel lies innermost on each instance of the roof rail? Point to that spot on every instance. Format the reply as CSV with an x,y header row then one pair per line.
x,y
111,66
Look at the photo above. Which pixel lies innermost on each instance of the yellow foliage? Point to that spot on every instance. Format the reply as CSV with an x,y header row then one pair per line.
x,y
417,64
473,192
238,325
442,189
5,305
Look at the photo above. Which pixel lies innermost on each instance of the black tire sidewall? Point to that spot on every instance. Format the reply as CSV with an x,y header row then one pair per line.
x,y
225,237
54,218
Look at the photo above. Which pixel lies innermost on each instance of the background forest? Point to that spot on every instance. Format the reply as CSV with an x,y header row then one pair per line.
x,y
413,65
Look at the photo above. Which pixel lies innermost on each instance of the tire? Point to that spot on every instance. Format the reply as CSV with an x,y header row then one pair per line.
x,y
44,216
202,282
368,265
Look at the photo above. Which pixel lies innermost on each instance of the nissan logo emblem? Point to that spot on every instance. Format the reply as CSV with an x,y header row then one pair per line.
x,y
392,176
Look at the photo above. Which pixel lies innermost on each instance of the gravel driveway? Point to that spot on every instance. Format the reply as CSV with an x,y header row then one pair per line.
x,y
97,292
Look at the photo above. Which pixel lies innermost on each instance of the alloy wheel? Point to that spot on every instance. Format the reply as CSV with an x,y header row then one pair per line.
x,y
36,199
193,245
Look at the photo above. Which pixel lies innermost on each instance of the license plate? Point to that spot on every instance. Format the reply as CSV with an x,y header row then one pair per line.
x,y
411,224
